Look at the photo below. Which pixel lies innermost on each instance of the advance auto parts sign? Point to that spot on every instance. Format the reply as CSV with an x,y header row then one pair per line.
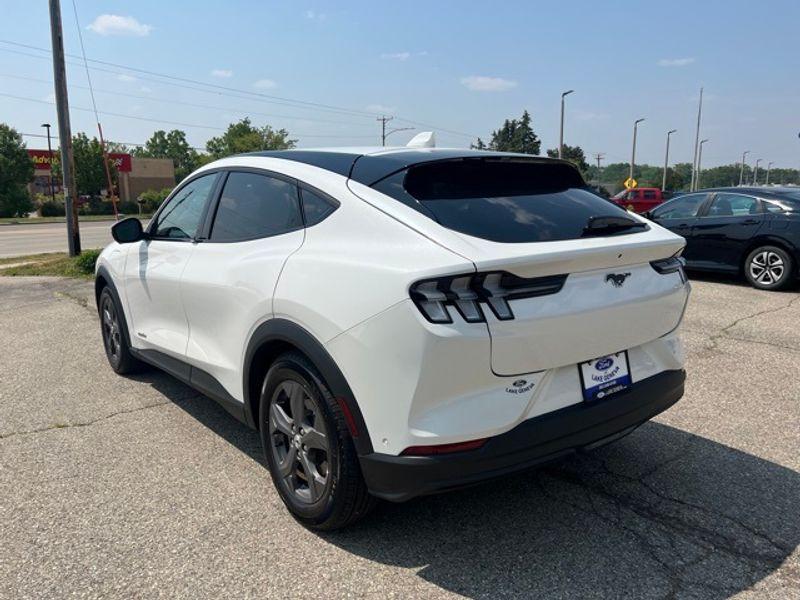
x,y
42,160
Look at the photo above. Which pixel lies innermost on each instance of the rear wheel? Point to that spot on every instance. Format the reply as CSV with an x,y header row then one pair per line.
x,y
769,268
308,448
115,335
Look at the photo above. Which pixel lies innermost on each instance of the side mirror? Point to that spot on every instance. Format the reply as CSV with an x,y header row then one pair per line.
x,y
648,215
128,231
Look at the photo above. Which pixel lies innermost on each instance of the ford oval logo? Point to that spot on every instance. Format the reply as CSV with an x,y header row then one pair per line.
x,y
603,364
519,383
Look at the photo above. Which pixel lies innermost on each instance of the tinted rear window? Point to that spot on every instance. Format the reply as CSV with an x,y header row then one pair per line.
x,y
501,200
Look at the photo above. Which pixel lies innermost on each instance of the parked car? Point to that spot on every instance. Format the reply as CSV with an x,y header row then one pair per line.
x,y
640,200
398,322
749,231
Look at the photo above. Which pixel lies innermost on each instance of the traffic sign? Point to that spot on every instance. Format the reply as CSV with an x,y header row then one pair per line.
x,y
630,183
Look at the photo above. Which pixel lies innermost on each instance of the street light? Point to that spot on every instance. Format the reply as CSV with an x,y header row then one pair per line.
x,y
633,151
50,157
699,160
741,171
755,171
666,161
769,168
561,131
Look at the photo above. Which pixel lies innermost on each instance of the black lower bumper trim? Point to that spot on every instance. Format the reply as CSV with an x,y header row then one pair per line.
x,y
574,428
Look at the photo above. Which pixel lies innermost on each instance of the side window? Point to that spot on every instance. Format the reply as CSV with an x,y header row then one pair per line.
x,y
649,194
315,207
772,207
733,205
255,206
680,208
181,217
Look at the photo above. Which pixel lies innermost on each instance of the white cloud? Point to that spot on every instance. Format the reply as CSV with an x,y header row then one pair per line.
x,y
265,84
225,73
314,15
479,83
396,55
124,77
118,25
381,108
675,62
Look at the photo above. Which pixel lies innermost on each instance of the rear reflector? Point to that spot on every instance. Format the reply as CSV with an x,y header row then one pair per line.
x,y
348,416
443,448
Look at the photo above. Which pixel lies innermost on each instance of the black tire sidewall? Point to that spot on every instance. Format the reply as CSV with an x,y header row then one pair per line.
x,y
127,363
107,296
289,368
787,274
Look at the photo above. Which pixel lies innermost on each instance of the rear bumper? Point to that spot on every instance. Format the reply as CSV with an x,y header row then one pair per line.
x,y
568,430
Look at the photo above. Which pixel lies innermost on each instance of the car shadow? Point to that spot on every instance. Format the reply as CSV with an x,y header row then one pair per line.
x,y
732,279
660,513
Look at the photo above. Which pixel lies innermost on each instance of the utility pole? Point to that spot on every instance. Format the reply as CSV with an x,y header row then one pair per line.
x,y
50,158
64,131
666,161
755,171
598,157
699,160
741,171
769,168
633,151
693,185
384,134
561,130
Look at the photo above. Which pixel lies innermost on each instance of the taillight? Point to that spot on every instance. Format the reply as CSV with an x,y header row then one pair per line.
x,y
468,293
673,264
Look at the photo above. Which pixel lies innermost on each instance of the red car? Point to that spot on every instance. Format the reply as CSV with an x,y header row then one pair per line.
x,y
640,200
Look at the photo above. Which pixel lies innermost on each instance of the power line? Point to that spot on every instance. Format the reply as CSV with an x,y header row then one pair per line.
x,y
192,104
251,95
165,121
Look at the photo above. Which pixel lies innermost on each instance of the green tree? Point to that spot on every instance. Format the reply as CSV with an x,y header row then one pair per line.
x,y
90,174
574,154
515,136
244,137
16,171
172,145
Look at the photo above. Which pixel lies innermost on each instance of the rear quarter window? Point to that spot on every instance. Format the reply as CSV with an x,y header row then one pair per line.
x,y
509,201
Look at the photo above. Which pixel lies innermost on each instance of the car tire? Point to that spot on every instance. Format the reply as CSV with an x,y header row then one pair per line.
x,y
769,268
311,458
115,335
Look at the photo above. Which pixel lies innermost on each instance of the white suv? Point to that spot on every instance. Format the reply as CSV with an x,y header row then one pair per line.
x,y
397,322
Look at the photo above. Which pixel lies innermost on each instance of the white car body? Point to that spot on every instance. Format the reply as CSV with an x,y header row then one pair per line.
x,y
194,307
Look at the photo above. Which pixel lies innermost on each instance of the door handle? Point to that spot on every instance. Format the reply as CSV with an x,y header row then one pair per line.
x,y
750,222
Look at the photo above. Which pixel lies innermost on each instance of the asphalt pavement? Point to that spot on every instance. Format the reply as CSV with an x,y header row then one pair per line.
x,y
139,487
18,240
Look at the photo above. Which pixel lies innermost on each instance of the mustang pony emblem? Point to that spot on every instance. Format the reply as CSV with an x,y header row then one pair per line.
x,y
617,279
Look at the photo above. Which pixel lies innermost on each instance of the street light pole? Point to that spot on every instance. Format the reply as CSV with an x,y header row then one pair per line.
x,y
50,157
666,161
769,168
741,171
696,143
633,151
561,130
699,160
755,171
64,130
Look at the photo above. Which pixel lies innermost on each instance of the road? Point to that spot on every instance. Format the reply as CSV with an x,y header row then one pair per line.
x,y
17,240
139,487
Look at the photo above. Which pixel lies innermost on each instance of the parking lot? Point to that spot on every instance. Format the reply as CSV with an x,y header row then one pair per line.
x,y
140,487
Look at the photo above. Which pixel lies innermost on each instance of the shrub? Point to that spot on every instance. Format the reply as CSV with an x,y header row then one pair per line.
x,y
16,202
85,262
126,207
48,208
152,199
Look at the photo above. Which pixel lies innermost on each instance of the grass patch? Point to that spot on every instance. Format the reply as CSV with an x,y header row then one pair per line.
x,y
57,264
81,219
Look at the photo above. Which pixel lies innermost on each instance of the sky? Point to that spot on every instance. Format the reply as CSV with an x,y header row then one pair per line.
x,y
457,68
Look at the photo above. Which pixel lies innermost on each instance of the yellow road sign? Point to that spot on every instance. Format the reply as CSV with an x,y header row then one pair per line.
x,y
630,183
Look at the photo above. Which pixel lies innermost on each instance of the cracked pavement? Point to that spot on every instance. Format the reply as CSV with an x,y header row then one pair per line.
x,y
141,487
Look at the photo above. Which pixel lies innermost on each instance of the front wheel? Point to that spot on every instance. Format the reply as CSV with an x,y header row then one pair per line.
x,y
309,452
768,268
115,335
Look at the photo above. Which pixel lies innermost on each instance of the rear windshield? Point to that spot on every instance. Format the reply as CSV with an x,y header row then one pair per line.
x,y
509,201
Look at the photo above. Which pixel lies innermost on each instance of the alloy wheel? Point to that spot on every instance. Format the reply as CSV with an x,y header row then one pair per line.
x,y
299,441
767,267
111,331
